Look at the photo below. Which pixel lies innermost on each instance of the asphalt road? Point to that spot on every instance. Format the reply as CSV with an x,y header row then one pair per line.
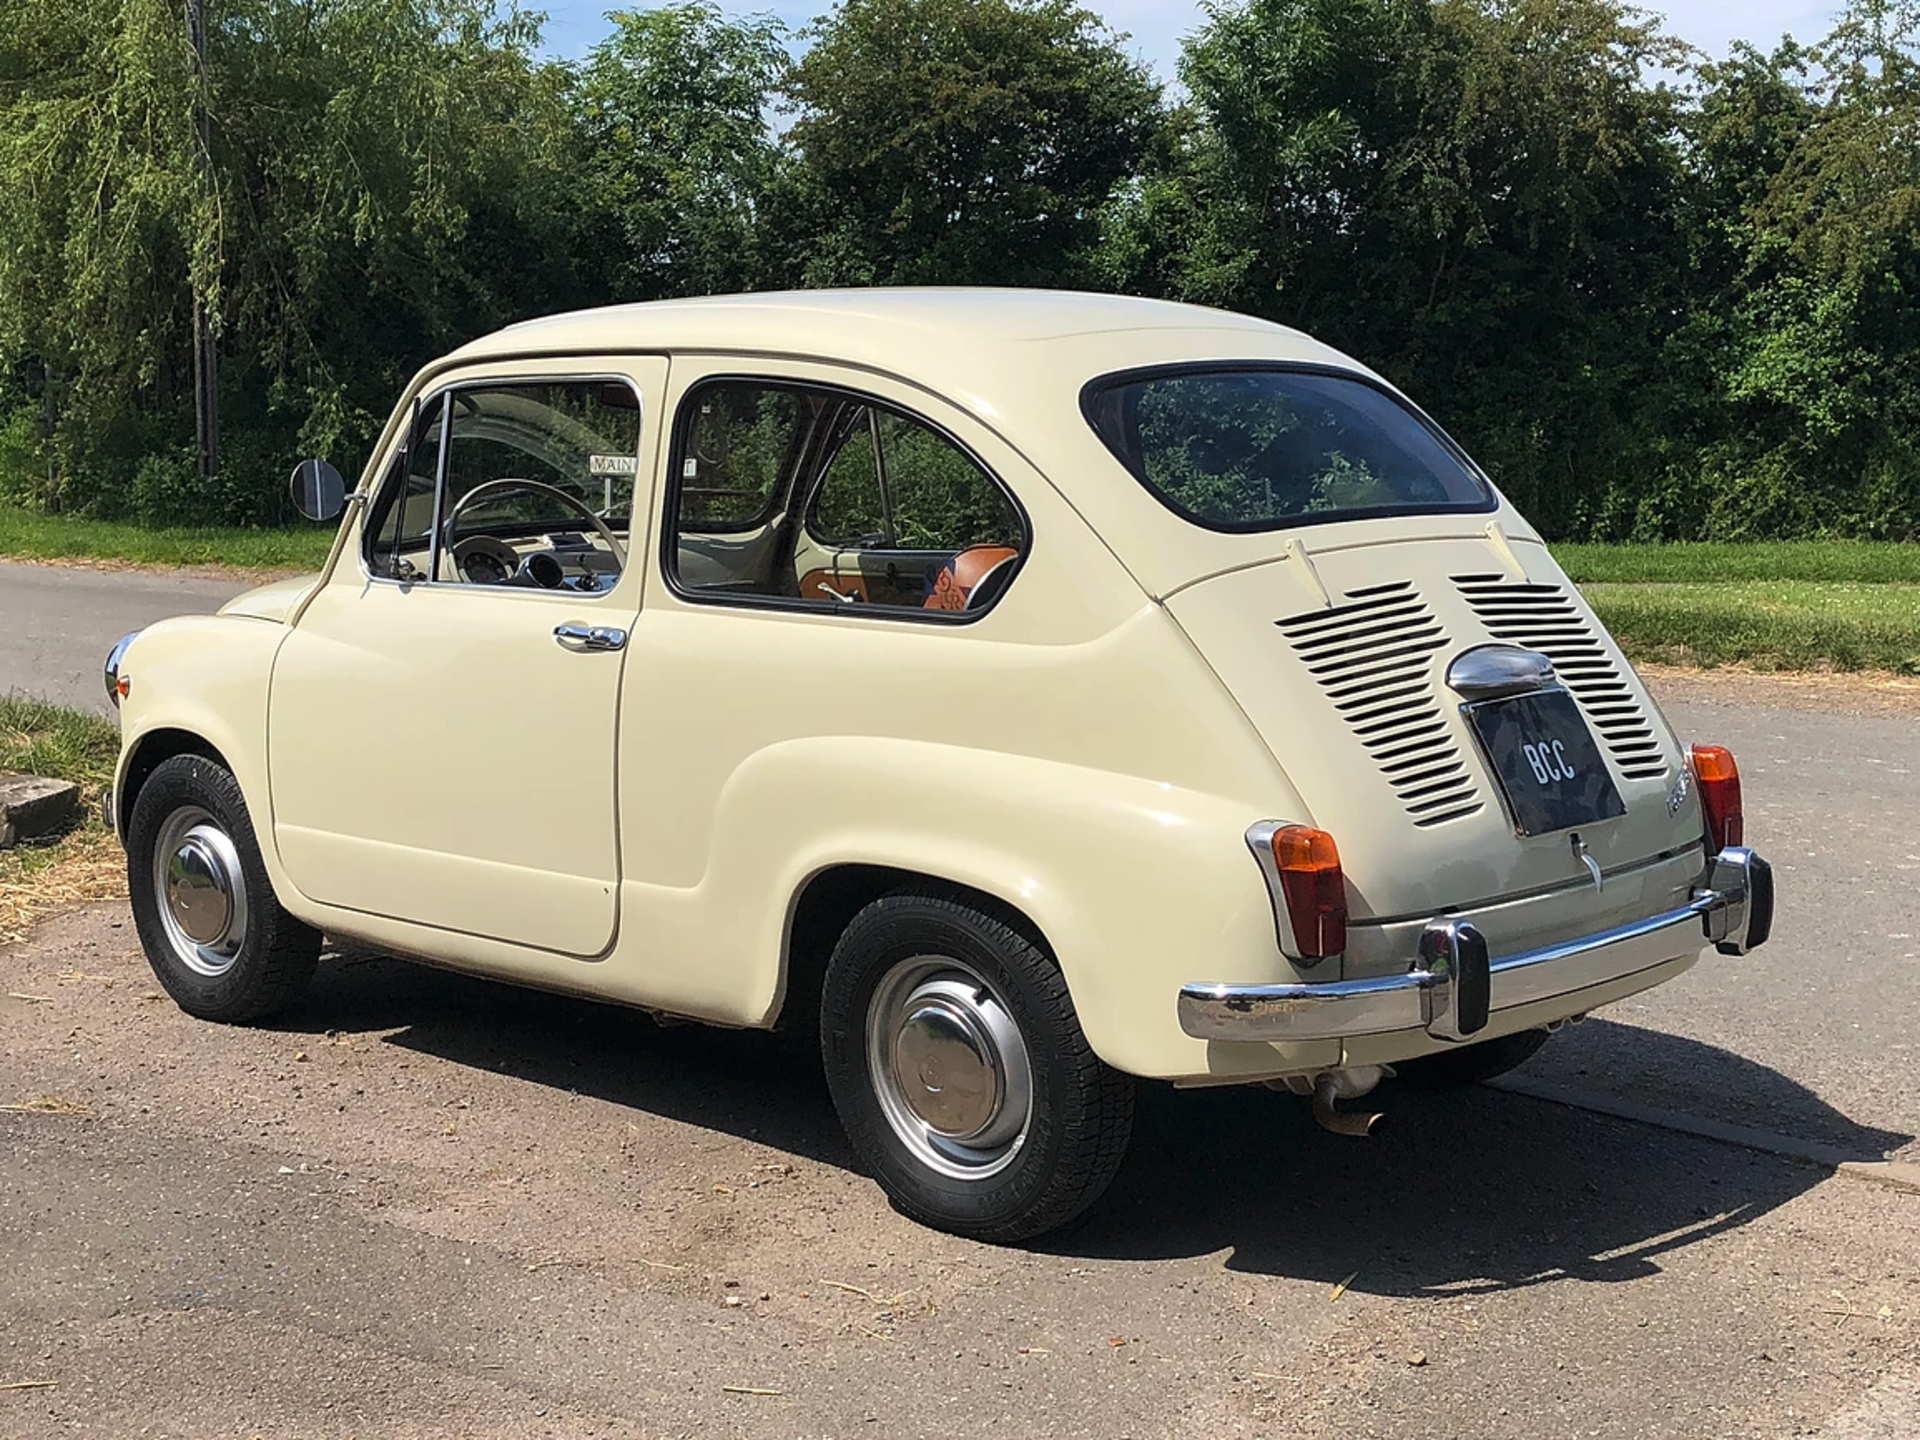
x,y
58,622
426,1205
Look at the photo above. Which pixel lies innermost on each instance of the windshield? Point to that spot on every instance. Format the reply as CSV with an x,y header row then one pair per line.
x,y
1261,449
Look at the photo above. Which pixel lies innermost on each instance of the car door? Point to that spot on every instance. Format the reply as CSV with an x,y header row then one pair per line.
x,y
442,720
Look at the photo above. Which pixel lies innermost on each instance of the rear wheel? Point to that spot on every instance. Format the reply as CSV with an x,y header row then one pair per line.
x,y
214,932
960,1072
1470,1064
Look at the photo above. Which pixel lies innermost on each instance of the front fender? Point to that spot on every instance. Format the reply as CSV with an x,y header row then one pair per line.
x,y
205,676
1135,885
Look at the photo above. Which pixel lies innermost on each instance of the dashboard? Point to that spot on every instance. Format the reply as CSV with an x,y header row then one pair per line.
x,y
566,560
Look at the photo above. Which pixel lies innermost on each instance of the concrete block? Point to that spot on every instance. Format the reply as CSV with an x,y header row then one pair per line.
x,y
35,808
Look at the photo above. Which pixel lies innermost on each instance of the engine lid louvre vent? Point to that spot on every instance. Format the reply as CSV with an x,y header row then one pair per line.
x,y
1545,618
1373,658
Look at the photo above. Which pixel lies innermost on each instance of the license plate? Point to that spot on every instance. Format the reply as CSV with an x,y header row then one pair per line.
x,y
1544,757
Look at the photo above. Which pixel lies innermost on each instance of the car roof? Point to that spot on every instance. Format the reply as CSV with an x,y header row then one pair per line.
x,y
877,325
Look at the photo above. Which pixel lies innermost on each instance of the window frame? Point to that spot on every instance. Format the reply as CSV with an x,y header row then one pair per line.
x,y
669,553
1100,385
444,393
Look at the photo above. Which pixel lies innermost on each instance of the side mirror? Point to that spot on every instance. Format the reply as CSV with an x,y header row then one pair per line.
x,y
318,491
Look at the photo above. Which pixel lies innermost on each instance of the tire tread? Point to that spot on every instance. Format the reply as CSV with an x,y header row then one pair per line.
x,y
283,951
1093,1136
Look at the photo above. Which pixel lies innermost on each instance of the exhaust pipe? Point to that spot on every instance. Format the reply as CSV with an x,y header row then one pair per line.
x,y
1344,1084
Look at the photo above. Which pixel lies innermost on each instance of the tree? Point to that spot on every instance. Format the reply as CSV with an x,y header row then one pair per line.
x,y
1822,362
380,188
674,154
960,141
102,216
1474,195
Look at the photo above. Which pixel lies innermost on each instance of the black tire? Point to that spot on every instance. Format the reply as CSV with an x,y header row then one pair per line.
x,y
1470,1064
265,959
1080,1114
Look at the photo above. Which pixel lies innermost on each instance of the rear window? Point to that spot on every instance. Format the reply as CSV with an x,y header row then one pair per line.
x,y
1262,449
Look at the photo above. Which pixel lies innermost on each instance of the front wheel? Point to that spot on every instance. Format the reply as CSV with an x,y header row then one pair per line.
x,y
960,1072
214,932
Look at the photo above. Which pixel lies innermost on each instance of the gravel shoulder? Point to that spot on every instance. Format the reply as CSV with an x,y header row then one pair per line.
x,y
426,1205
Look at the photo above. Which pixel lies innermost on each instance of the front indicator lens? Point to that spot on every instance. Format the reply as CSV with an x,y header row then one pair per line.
x,y
1718,777
1316,891
116,678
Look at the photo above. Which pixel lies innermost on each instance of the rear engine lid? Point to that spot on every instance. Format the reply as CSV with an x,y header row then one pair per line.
x,y
1340,658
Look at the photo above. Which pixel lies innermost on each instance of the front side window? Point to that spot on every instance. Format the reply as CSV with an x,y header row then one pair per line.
x,y
822,497
1262,449
527,484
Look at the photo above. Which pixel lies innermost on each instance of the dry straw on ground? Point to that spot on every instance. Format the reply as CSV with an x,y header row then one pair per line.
x,y
86,866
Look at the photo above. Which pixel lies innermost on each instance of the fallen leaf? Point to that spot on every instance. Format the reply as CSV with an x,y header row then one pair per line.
x,y
1341,1288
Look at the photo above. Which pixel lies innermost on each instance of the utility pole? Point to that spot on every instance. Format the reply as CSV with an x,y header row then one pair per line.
x,y
206,362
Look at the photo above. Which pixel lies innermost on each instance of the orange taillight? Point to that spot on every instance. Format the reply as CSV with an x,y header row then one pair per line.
x,y
1316,891
1718,777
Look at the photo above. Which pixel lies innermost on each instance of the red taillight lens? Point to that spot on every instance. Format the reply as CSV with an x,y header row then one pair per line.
x,y
1316,891
1719,781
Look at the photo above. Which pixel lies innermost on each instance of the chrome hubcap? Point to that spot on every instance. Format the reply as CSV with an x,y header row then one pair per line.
x,y
202,894
949,1067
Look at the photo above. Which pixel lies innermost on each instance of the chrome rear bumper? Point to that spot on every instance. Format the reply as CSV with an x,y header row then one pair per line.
x,y
1453,987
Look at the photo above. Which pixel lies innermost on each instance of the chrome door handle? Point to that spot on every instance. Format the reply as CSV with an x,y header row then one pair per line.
x,y
590,637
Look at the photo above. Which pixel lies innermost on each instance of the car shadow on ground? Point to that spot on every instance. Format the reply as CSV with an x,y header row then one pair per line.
x,y
1462,1191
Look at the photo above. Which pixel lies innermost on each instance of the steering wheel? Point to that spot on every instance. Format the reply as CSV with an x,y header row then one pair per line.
x,y
573,503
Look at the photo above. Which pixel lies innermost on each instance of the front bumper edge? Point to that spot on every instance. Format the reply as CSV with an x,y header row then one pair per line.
x,y
1454,987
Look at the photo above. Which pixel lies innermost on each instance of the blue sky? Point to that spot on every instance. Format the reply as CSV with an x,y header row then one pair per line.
x,y
1157,25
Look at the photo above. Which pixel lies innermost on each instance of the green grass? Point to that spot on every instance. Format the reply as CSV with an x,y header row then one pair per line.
x,y
27,536
1863,562
1772,625
50,740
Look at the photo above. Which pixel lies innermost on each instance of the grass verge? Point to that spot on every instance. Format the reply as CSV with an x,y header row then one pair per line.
x,y
1860,562
86,864
1777,625
27,536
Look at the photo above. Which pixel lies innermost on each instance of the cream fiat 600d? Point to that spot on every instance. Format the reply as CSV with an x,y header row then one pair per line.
x,y
1015,693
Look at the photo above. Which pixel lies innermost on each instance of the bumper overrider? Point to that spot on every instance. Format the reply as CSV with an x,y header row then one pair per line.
x,y
1453,987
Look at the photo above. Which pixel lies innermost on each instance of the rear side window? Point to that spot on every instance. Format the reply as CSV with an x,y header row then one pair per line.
x,y
1262,449
818,497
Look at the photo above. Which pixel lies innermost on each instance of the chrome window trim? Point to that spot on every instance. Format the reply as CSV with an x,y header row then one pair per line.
x,y
427,397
